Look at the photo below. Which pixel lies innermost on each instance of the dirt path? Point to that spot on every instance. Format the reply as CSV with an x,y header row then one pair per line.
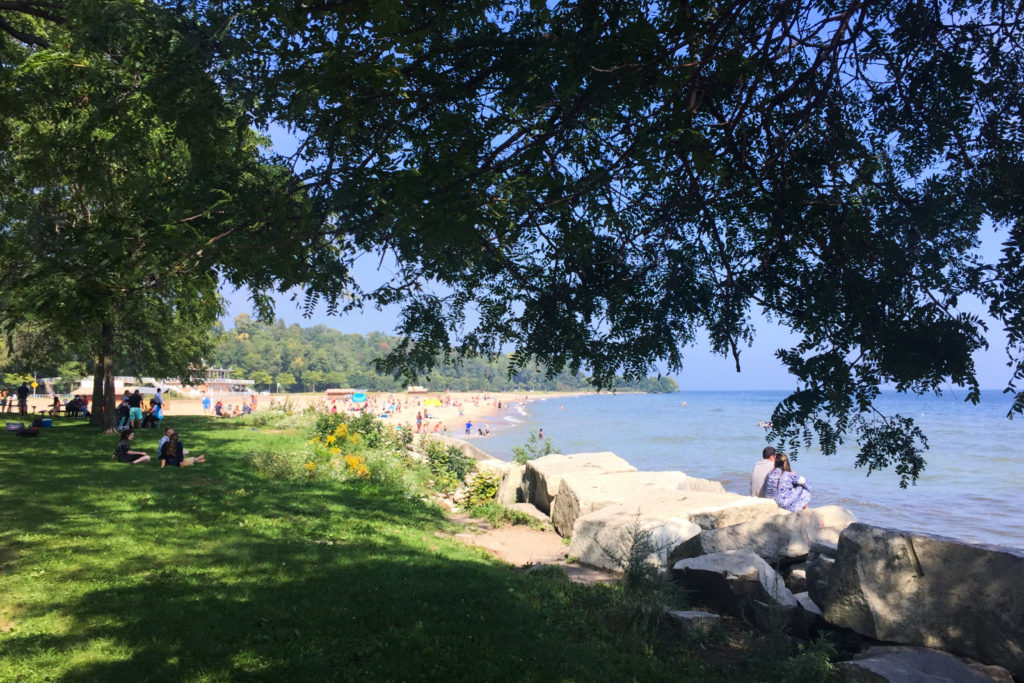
x,y
522,545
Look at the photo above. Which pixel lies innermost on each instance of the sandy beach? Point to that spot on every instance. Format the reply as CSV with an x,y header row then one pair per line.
x,y
441,412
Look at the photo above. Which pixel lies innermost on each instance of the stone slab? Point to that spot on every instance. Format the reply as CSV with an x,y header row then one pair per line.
x,y
580,493
544,475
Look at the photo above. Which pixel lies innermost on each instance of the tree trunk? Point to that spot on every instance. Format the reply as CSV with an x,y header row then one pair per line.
x,y
95,416
109,425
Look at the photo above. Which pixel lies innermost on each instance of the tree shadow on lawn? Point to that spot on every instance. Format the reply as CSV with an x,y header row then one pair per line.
x,y
244,578
305,612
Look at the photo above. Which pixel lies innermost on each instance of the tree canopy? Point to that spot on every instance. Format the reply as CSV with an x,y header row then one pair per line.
x,y
595,183
131,188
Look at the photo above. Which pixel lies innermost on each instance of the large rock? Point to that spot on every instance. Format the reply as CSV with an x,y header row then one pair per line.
x,y
884,664
666,519
510,490
738,582
581,493
820,560
927,590
496,468
544,475
783,537
604,539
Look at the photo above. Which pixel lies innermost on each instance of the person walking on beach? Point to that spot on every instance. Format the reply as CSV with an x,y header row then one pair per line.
x,y
761,471
206,404
469,427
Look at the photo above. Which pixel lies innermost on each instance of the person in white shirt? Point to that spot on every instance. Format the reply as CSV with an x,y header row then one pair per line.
x,y
761,471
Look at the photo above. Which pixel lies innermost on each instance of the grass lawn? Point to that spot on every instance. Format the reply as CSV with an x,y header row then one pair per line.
x,y
131,573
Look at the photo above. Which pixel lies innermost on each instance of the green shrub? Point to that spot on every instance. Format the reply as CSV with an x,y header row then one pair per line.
x,y
534,448
275,418
326,424
483,488
448,463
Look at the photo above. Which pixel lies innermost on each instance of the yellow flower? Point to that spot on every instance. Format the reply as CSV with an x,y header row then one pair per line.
x,y
357,465
310,465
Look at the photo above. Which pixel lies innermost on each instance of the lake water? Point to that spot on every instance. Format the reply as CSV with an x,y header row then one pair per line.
x,y
971,489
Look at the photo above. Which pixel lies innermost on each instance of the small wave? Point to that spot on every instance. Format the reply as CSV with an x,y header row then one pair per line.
x,y
513,420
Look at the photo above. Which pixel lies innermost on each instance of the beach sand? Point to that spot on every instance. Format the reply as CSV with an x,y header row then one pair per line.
x,y
457,407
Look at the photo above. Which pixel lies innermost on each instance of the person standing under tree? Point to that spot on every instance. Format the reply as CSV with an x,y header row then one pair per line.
x,y
23,392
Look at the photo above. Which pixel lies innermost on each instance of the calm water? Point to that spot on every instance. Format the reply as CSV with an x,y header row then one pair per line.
x,y
971,489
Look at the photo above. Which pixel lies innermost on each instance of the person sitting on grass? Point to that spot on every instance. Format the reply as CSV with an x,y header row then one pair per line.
x,y
173,453
123,451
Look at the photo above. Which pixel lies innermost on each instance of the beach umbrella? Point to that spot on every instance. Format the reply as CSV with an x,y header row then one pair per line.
x,y
432,402
359,397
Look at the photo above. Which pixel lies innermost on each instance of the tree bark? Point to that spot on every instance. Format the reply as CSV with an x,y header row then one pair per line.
x,y
108,379
96,416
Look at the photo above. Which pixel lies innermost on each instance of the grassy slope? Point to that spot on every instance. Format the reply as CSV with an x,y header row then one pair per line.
x,y
120,572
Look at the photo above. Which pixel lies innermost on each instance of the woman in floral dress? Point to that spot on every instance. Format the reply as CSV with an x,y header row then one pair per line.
x,y
789,491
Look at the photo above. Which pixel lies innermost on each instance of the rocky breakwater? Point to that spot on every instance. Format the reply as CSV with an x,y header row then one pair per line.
x,y
919,589
819,566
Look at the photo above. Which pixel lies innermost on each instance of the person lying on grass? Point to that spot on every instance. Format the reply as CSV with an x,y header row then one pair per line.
x,y
173,453
123,451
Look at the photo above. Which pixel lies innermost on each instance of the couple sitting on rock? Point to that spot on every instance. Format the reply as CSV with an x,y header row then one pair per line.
x,y
774,478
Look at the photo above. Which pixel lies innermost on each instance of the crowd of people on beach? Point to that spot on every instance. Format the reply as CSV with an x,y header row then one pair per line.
x,y
774,478
218,409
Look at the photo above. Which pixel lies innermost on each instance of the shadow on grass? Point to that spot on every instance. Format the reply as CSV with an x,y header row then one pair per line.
x,y
212,573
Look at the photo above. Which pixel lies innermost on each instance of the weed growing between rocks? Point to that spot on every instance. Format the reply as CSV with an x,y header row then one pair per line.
x,y
497,515
533,448
482,489
448,464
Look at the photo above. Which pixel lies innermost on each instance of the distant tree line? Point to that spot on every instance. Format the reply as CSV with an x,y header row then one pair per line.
x,y
295,358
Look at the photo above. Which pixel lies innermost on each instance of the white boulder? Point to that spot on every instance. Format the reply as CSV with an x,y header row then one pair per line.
x,y
665,520
544,475
580,493
780,537
887,664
